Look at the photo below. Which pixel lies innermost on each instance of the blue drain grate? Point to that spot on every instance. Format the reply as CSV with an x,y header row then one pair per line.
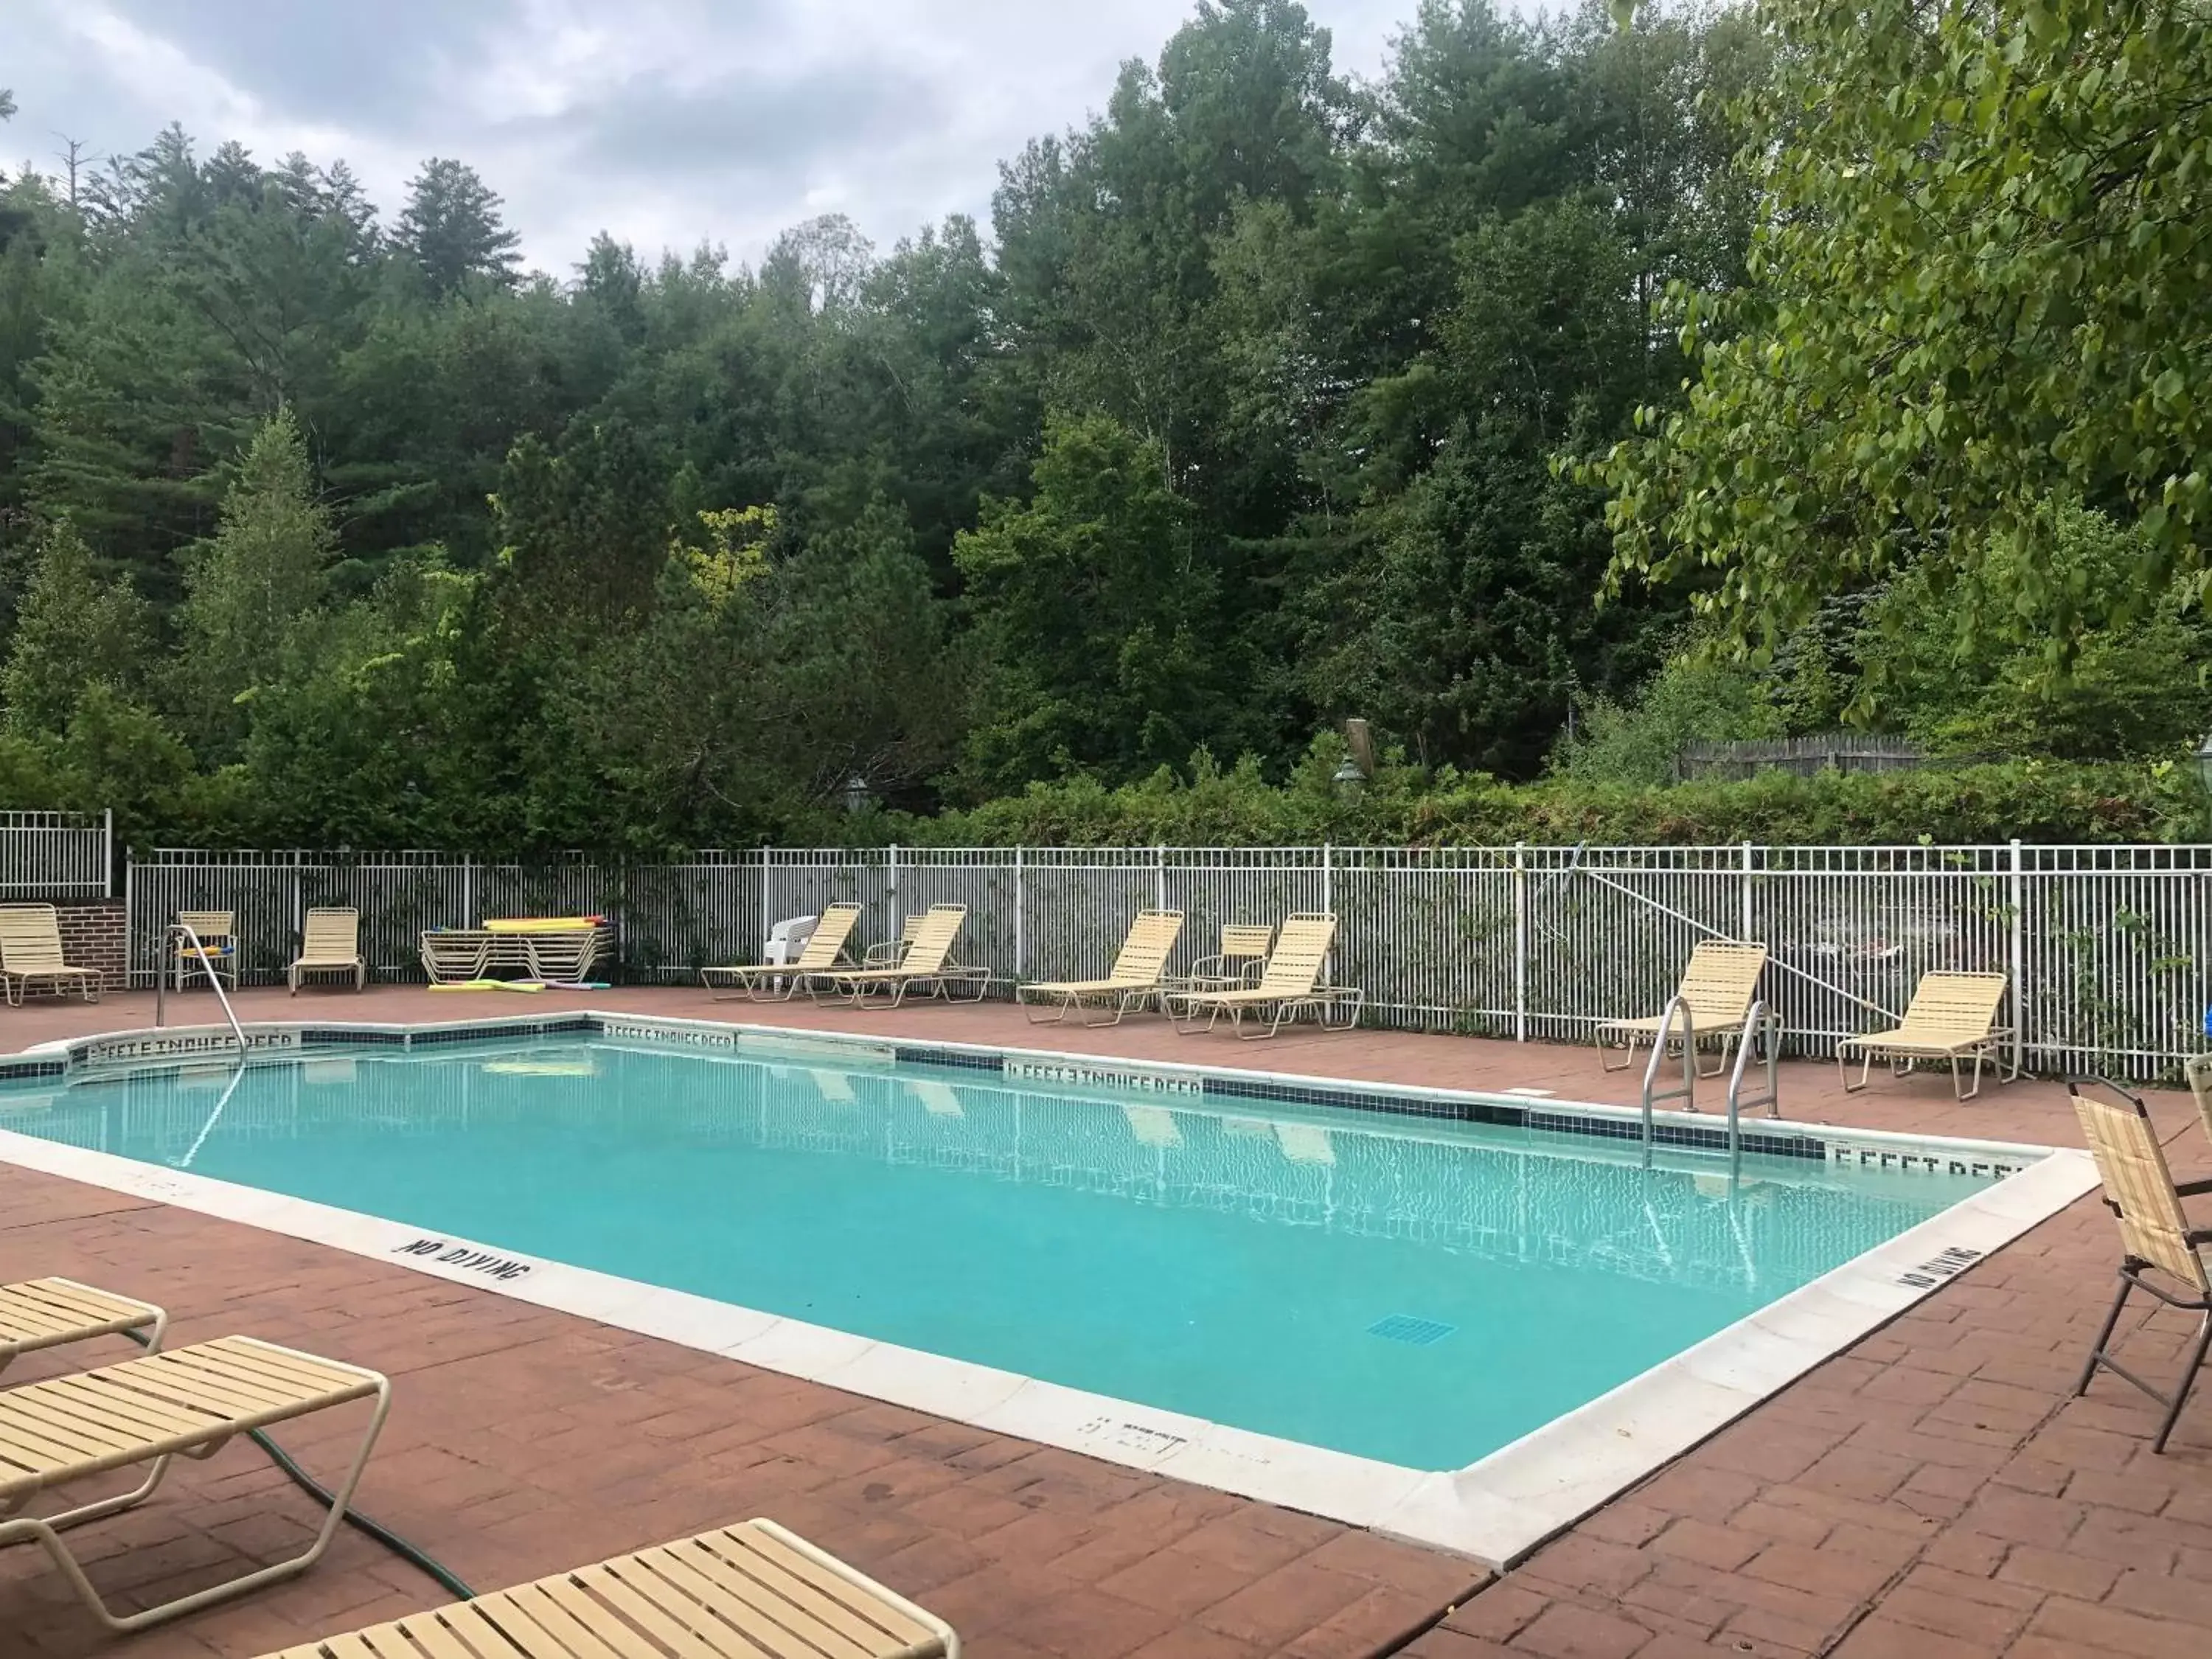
x,y
1404,1327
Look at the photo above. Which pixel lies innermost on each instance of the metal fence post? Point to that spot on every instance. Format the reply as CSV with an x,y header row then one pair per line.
x,y
1520,941
890,878
1018,906
107,852
1750,927
2018,963
765,922
129,912
1160,877
1328,884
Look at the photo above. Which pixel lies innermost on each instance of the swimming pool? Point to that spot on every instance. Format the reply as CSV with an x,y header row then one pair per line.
x,y
1415,1291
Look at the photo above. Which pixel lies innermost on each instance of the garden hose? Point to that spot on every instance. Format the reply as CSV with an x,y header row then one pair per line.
x,y
306,1483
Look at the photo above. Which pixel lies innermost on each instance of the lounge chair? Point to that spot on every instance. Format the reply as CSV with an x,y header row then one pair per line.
x,y
887,953
753,1591
1240,961
1953,1016
46,1313
1290,982
331,944
217,933
2155,1238
1718,985
824,946
31,949
187,1402
927,961
1135,980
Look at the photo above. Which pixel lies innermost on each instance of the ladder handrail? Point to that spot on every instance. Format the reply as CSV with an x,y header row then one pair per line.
x,y
1757,1023
181,932
1688,1092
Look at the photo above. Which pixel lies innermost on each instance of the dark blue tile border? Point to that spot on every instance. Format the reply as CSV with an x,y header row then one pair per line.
x,y
34,1068
906,1056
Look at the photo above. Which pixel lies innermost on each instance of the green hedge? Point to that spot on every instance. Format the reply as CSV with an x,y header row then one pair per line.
x,y
2030,800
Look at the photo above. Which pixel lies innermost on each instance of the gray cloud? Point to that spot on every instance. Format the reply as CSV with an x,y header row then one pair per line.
x,y
667,122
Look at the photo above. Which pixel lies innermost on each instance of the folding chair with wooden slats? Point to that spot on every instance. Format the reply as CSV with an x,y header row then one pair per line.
x,y
189,1402
47,1312
754,1591
2162,1255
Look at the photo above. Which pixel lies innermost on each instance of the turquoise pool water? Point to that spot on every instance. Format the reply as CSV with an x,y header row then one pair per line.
x,y
1415,1291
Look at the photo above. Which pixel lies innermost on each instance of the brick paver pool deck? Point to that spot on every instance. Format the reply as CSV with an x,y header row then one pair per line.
x,y
1932,1492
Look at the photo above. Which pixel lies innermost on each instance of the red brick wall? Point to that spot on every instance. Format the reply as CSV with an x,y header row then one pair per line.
x,y
93,937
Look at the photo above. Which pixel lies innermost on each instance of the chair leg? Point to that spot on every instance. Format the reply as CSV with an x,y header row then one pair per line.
x,y
2105,1335
2185,1381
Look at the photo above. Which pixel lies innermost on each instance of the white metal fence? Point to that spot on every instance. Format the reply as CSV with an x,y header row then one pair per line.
x,y
2109,948
47,856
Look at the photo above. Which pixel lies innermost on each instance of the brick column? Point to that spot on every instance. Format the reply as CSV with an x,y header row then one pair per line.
x,y
93,937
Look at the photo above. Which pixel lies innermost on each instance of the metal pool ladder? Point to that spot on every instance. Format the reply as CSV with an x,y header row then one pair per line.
x,y
1653,1094
180,933
1760,1027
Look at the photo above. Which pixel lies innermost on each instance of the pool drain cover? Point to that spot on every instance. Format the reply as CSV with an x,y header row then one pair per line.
x,y
1404,1327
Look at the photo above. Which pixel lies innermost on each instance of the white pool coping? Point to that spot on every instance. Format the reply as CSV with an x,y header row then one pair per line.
x,y
1495,1511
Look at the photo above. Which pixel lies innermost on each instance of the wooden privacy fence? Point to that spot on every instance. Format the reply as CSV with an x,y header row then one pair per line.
x,y
2109,948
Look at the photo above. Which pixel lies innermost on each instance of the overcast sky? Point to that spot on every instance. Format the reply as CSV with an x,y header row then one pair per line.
x,y
668,122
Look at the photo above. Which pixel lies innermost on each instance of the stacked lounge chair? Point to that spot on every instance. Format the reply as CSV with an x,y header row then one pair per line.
x,y
1136,978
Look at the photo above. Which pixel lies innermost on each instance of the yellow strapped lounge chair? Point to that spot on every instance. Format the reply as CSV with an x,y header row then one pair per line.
x,y
331,944
2155,1238
217,933
1719,985
888,953
1952,1015
45,1313
927,961
754,1591
1290,981
1239,962
31,949
1135,980
825,946
188,1402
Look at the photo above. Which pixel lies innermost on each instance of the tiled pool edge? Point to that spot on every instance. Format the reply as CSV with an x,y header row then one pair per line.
x,y
1495,1511
1675,1131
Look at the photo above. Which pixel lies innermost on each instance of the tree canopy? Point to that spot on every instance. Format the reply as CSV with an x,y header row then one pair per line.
x,y
1512,393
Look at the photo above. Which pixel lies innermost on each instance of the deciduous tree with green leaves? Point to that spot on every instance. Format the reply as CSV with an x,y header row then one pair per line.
x,y
1982,281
